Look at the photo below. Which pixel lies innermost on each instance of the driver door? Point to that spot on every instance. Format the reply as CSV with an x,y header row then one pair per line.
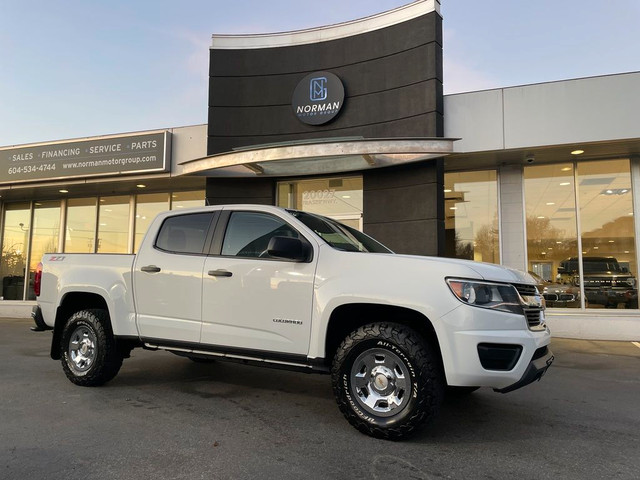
x,y
251,300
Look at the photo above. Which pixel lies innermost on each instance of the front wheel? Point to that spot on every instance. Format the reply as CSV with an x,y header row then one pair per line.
x,y
387,381
90,356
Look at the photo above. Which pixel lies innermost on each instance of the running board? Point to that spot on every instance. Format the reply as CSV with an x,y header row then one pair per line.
x,y
239,358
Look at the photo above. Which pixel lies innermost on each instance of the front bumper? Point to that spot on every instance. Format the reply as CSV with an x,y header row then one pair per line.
x,y
542,360
484,348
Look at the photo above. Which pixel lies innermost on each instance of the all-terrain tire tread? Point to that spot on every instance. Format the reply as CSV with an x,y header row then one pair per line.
x,y
428,372
109,358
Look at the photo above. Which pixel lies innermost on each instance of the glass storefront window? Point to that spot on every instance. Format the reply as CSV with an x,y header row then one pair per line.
x,y
15,244
337,198
80,232
147,207
471,216
44,236
113,224
187,199
551,231
603,272
608,236
23,243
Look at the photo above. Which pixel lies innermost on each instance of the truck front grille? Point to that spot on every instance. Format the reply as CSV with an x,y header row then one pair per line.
x,y
526,290
531,312
533,316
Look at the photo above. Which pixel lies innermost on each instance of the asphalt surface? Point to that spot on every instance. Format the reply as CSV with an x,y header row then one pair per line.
x,y
165,417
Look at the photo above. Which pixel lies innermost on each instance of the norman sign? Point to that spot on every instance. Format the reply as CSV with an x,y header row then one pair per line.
x,y
318,98
107,156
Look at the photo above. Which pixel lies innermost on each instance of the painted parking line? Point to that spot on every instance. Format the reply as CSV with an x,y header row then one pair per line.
x,y
637,344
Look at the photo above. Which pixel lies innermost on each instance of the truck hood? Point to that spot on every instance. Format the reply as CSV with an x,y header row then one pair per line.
x,y
486,271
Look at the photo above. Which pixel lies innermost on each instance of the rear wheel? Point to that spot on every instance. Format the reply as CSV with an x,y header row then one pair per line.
x,y
89,353
387,381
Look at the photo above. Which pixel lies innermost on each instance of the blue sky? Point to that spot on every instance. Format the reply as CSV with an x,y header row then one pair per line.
x,y
74,68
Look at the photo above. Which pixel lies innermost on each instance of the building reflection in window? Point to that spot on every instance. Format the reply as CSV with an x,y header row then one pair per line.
x,y
147,207
15,245
603,273
45,236
187,199
19,237
337,198
551,231
113,224
608,240
80,231
471,216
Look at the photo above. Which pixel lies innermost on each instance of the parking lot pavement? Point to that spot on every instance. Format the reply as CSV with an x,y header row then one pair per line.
x,y
165,417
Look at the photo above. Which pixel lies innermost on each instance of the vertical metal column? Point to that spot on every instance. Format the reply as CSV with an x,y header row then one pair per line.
x,y
635,198
578,234
28,252
63,225
132,223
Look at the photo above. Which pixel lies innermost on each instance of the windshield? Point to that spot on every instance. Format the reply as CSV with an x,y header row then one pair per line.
x,y
339,236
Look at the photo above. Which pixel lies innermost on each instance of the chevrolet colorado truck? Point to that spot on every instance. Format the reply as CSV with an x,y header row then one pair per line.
x,y
273,287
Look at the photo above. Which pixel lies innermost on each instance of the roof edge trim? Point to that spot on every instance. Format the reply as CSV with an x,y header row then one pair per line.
x,y
325,33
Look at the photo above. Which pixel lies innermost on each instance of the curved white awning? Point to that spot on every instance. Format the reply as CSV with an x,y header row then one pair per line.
x,y
318,157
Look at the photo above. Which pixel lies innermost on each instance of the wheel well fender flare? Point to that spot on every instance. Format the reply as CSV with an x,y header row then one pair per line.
x,y
349,317
74,302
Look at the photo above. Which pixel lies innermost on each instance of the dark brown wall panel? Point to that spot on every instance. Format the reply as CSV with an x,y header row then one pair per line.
x,y
404,207
408,127
382,107
328,55
392,79
240,190
418,64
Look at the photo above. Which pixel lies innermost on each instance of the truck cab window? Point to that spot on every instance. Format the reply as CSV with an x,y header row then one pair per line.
x,y
184,233
248,234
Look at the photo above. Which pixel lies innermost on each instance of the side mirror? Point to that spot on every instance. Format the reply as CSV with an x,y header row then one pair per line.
x,y
288,248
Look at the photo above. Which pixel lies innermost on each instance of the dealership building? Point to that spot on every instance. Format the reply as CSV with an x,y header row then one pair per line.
x,y
350,121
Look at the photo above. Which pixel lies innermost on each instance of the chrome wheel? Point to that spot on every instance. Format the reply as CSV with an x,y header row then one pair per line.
x,y
82,349
381,383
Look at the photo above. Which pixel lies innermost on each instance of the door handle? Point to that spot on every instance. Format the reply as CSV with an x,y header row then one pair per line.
x,y
220,273
150,269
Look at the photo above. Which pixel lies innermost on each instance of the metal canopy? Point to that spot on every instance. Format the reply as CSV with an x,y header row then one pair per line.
x,y
318,157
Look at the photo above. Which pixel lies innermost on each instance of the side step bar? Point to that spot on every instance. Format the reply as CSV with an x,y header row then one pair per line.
x,y
233,357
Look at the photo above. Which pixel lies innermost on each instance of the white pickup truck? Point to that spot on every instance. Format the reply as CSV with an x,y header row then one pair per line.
x,y
289,289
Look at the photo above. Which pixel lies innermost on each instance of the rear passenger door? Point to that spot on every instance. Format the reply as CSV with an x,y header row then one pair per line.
x,y
168,278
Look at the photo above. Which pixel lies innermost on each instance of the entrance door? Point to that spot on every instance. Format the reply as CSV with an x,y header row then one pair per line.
x,y
337,198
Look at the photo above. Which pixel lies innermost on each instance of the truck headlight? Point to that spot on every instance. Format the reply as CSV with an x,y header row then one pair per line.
x,y
496,296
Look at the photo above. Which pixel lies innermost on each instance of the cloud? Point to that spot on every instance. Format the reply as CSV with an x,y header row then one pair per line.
x,y
197,58
459,75
463,77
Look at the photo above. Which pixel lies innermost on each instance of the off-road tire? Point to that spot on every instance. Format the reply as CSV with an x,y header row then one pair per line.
x,y
422,382
88,349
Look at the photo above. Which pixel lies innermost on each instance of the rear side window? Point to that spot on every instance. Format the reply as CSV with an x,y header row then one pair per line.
x,y
184,233
248,234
